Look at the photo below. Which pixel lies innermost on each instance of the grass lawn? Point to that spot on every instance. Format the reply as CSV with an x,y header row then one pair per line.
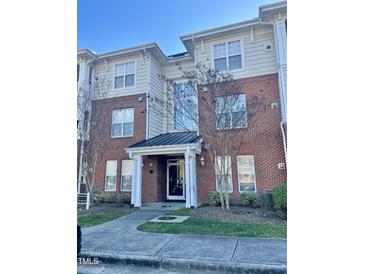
x,y
102,216
179,212
205,226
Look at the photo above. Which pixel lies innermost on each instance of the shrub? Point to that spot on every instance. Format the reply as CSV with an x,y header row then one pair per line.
x,y
123,198
279,196
249,199
265,200
214,198
105,198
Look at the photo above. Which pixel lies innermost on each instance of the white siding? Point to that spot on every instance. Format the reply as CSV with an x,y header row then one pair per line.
x,y
256,60
105,74
174,71
156,113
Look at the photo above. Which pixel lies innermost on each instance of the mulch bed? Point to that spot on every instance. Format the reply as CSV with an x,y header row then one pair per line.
x,y
105,208
238,214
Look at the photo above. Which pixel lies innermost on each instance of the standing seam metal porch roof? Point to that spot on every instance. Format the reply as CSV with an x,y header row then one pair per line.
x,y
175,138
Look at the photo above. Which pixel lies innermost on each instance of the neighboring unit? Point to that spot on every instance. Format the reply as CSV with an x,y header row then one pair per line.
x,y
145,154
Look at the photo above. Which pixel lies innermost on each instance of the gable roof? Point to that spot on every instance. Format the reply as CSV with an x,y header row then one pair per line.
x,y
175,138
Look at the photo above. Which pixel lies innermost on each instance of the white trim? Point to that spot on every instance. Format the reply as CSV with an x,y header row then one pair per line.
x,y
167,149
243,65
122,136
149,65
116,171
230,112
124,75
178,164
238,174
121,175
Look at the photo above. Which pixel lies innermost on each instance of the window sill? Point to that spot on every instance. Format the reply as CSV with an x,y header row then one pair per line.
x,y
125,190
121,89
109,190
240,128
122,137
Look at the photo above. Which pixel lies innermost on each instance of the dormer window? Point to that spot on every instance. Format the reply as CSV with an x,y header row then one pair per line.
x,y
228,56
124,75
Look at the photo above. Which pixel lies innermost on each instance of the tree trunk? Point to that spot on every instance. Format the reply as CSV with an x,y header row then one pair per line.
x,y
226,185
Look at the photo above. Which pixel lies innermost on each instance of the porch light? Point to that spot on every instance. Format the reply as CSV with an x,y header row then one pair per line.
x,y
202,160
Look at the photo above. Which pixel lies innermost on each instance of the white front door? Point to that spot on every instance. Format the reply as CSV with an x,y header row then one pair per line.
x,y
175,180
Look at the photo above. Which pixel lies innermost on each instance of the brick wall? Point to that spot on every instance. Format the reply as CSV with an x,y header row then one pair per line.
x,y
153,179
113,148
261,139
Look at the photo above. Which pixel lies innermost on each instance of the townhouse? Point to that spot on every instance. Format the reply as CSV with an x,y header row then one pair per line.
x,y
145,153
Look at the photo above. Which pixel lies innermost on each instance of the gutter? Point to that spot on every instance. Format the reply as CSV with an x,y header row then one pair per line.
x,y
283,121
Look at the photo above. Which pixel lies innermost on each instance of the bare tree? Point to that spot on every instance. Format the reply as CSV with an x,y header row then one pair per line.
x,y
222,108
92,142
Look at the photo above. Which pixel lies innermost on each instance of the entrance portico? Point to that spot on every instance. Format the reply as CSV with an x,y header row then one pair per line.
x,y
180,151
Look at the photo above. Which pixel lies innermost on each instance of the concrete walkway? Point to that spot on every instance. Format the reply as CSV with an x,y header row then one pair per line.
x,y
120,241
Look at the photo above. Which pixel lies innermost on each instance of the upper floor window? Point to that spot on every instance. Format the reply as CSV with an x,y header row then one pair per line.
x,y
231,112
228,56
124,75
122,122
184,106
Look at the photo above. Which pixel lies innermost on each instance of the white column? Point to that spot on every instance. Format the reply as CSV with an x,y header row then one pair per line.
x,y
136,198
187,178
193,190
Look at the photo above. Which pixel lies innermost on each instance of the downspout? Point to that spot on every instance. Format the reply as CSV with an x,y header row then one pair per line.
x,y
283,121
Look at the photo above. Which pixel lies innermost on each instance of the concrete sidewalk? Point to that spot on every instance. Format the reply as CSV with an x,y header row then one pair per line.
x,y
119,241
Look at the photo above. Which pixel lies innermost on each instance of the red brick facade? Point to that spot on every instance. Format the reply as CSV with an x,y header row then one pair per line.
x,y
263,140
114,147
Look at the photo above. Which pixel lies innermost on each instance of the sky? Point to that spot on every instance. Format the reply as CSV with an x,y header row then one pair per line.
x,y
107,25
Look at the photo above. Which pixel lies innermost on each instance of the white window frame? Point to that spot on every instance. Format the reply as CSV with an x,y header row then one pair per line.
x,y
231,125
227,57
254,173
135,75
105,179
121,175
230,173
122,136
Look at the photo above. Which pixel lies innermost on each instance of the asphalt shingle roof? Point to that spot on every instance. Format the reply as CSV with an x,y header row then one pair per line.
x,y
175,138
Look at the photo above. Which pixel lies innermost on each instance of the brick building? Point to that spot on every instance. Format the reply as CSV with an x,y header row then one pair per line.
x,y
147,155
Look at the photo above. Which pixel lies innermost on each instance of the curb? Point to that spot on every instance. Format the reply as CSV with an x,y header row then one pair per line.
x,y
156,262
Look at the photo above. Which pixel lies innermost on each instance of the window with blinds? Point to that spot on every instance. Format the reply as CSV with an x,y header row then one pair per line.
x,y
111,175
246,173
228,56
124,75
127,175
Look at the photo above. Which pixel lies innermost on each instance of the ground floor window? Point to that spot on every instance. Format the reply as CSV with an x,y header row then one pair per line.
x,y
246,173
223,172
110,175
127,175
